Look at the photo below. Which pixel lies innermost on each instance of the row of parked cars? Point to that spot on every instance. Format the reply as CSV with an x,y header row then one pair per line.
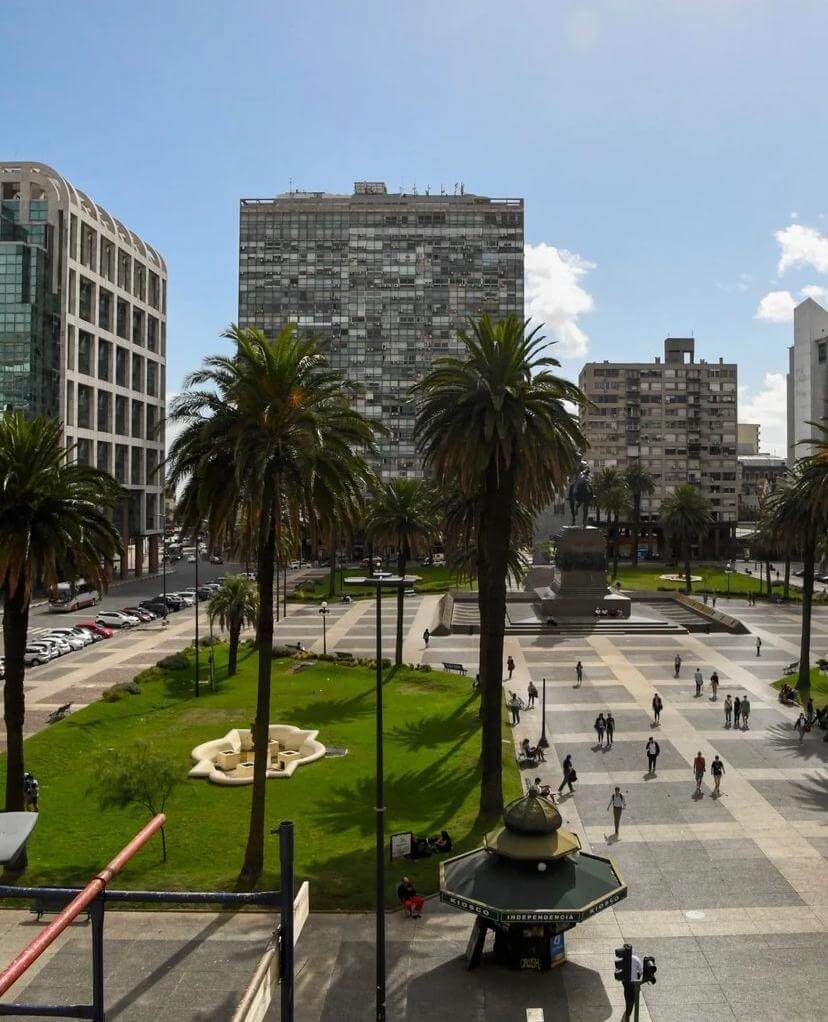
x,y
60,641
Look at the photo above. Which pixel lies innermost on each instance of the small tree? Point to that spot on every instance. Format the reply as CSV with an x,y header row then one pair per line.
x,y
686,515
640,483
233,605
138,775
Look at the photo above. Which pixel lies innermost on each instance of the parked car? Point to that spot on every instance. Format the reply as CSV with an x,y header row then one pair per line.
x,y
799,573
74,641
58,644
216,559
140,612
101,630
294,565
187,599
191,558
117,619
79,633
94,636
34,656
823,579
156,607
173,602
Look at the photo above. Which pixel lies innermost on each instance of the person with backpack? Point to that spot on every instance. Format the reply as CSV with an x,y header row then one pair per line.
x,y
653,750
699,770
745,713
801,726
600,727
758,646
426,637
610,722
737,711
658,706
515,705
510,666
618,804
717,770
569,774
31,790
677,665
579,674
532,693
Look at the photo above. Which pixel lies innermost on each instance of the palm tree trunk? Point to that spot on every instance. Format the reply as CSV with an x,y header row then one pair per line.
x,y
494,535
803,683
687,582
636,524
787,590
254,853
332,575
597,514
233,651
398,649
15,627
768,578
615,548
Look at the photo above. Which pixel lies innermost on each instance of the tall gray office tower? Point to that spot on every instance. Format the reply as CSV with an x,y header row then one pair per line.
x,y
385,280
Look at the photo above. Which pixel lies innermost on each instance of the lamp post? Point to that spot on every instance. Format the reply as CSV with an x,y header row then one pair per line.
x,y
543,741
728,572
324,610
393,582
197,685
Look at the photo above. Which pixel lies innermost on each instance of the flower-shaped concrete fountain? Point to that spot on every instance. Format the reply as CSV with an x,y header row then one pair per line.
x,y
229,760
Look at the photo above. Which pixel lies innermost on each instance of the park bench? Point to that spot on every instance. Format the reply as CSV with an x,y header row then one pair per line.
x,y
47,905
447,666
344,656
58,714
792,668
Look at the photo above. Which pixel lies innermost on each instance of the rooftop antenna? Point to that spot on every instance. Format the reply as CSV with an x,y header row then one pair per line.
x,y
414,189
455,187
442,189
462,188
428,189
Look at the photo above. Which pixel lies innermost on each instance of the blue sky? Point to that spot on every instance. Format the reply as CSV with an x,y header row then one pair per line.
x,y
672,154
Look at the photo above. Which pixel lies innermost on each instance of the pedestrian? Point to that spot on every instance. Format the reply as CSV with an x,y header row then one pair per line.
x,y
717,770
758,646
809,711
579,674
699,769
677,665
800,726
745,713
698,677
411,901
737,711
705,599
653,749
658,706
618,805
600,726
714,603
569,774
510,666
515,706
610,727
728,709
714,684
426,637
532,693
31,790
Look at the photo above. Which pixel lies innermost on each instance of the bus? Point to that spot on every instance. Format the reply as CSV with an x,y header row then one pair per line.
x,y
69,596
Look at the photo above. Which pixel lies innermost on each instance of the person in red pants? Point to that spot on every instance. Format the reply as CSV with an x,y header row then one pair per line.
x,y
411,901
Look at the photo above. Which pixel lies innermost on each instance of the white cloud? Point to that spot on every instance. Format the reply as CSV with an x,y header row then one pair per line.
x,y
802,246
768,407
555,297
776,307
817,292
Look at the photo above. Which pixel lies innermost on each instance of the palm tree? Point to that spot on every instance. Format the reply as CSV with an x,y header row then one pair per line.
x,y
616,500
602,485
53,521
234,605
402,514
494,426
686,515
255,426
640,483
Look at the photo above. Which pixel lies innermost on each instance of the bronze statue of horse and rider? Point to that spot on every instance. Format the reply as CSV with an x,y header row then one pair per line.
x,y
581,493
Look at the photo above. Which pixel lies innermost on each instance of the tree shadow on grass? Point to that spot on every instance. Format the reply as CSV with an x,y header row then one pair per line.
x,y
437,729
336,711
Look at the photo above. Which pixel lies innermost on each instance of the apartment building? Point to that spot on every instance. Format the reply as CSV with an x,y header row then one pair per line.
x,y
807,375
83,337
747,438
677,416
385,280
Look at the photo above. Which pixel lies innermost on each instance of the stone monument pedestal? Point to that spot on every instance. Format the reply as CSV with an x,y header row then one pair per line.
x,y
579,588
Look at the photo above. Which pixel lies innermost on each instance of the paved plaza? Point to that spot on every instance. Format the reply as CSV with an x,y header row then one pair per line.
x,y
729,894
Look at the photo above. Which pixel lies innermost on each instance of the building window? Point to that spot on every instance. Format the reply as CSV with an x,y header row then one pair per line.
x,y
88,246
84,407
140,281
70,403
137,373
73,288
822,351
152,333
104,309
83,451
138,419
121,462
137,327
70,348
121,405
152,421
104,456
152,378
87,290
122,367
104,360
152,466
107,260
84,353
124,271
104,411
137,469
122,324
154,290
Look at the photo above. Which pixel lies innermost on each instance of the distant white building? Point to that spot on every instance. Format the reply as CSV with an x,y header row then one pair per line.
x,y
807,374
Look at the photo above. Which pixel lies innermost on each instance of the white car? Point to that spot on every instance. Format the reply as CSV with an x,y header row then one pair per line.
x,y
62,647
117,619
69,633
35,655
75,641
191,558
294,566
92,636
188,598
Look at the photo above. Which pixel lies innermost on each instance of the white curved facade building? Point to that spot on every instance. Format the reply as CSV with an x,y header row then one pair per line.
x,y
83,336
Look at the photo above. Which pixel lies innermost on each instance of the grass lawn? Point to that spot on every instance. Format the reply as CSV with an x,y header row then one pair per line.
x,y
714,579
431,780
433,580
819,686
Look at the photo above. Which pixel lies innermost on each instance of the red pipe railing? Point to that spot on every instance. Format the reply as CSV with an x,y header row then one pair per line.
x,y
35,948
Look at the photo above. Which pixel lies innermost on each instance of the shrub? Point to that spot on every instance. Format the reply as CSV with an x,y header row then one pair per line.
x,y
210,641
112,695
174,662
281,652
131,688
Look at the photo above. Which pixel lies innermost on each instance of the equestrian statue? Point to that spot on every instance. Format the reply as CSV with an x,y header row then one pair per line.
x,y
581,493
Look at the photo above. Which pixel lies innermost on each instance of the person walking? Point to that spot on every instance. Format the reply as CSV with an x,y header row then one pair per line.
x,y
698,677
426,637
653,749
737,711
699,770
610,721
515,706
728,709
714,685
579,674
658,706
714,603
532,693
758,645
510,666
600,727
809,712
569,774
677,665
717,770
745,713
800,726
31,790
618,804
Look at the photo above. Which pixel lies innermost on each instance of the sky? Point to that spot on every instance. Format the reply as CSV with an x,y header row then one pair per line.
x,y
671,153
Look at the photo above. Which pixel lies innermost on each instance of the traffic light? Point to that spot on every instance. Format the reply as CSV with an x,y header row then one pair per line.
x,y
649,974
623,963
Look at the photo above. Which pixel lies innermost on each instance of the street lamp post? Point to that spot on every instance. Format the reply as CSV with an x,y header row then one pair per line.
x,y
324,610
543,741
728,572
378,581
197,685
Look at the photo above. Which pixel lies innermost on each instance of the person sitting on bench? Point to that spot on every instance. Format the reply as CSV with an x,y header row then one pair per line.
x,y
441,843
